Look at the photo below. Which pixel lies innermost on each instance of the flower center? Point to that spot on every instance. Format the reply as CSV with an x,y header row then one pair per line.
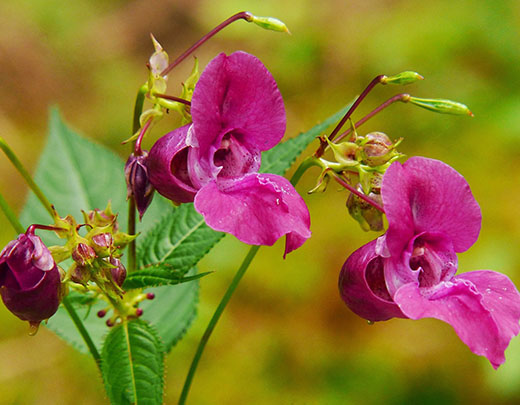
x,y
435,259
235,158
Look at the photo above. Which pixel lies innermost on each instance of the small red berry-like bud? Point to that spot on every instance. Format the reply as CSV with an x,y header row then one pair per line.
x,y
110,323
102,244
30,282
138,182
150,296
139,311
83,254
101,313
118,272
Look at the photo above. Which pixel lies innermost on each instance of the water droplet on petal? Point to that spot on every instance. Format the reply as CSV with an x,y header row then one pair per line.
x,y
370,322
488,290
500,298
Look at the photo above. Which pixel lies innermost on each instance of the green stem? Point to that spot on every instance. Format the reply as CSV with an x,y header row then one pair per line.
x,y
213,322
307,163
82,330
27,177
138,110
11,216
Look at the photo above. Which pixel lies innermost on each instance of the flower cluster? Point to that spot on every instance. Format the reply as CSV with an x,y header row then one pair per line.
x,y
409,272
237,112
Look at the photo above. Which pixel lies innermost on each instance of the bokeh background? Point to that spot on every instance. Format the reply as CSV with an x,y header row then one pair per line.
x,y
286,337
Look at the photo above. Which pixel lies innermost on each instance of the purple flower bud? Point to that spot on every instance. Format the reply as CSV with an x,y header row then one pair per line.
x,y
102,244
138,183
83,254
30,283
118,272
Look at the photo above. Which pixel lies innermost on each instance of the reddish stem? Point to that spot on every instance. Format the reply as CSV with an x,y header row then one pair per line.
x,y
358,193
33,227
403,97
244,15
137,148
173,98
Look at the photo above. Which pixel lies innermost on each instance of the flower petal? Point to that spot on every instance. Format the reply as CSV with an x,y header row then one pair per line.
x,y
257,208
167,166
459,303
237,92
427,195
362,285
500,297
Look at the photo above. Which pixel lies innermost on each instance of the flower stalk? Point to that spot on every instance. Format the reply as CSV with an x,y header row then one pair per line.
x,y
10,215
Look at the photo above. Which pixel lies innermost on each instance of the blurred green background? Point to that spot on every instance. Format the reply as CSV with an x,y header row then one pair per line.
x,y
286,337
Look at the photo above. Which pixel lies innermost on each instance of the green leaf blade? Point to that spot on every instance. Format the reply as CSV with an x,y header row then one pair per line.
x,y
156,276
133,364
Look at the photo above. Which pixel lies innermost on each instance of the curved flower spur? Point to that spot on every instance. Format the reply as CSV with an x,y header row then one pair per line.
x,y
410,271
237,112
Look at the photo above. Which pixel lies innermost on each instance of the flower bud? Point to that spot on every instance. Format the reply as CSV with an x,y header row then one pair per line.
x,y
83,254
30,283
138,183
118,271
102,243
441,106
268,23
368,217
402,78
377,149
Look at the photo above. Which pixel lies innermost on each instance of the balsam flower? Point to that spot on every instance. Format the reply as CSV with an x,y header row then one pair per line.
x,y
30,283
237,113
410,271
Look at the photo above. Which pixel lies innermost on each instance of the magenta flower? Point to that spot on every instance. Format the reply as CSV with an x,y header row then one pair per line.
x,y
410,271
30,283
237,113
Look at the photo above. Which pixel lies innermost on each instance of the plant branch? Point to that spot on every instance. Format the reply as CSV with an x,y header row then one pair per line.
x,y
11,216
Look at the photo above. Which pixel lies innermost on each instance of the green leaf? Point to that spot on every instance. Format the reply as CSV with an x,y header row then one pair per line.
x,y
158,275
280,158
132,364
180,239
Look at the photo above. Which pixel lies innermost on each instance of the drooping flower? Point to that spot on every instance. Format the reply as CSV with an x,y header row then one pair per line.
x,y
137,182
237,113
410,271
30,283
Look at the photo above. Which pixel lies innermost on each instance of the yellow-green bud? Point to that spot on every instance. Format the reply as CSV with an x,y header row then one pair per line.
x,y
441,106
402,78
269,23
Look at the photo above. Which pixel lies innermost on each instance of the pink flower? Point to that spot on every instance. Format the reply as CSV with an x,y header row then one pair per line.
x,y
410,271
237,113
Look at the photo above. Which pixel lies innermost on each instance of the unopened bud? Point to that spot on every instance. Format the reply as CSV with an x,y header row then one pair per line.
x,y
150,296
138,312
110,322
138,182
268,23
80,275
368,217
103,243
441,106
101,313
83,254
402,78
118,271
377,149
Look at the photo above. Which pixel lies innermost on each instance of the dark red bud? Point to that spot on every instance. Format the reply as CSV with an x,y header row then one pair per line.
x,y
101,313
139,311
118,272
150,296
138,183
103,240
30,282
83,254
110,323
